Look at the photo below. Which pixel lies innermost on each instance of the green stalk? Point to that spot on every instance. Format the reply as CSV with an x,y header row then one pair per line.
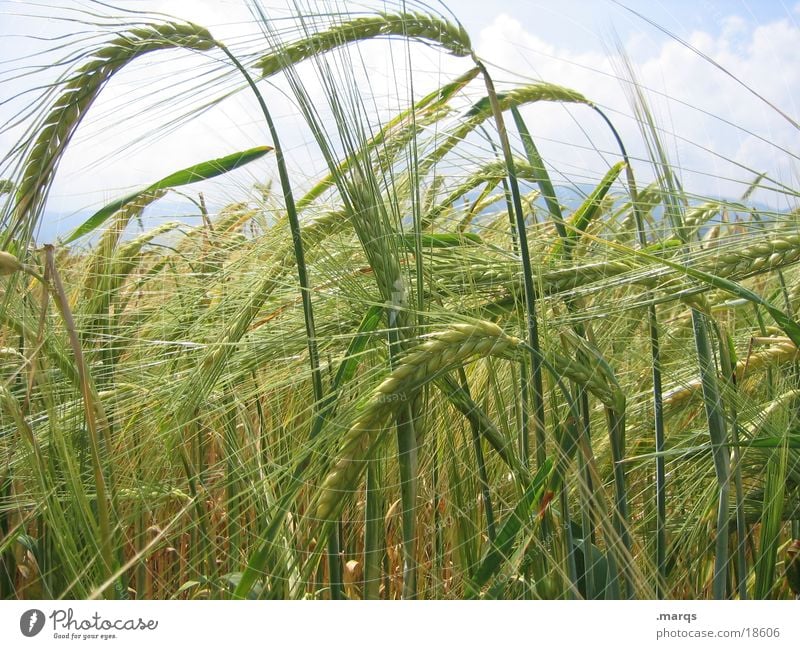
x,y
728,362
232,486
406,429
8,566
616,426
658,425
294,226
527,270
104,511
335,580
719,448
771,522
569,544
483,476
564,247
414,407
373,531
523,437
711,395
655,359
438,536
334,563
588,514
407,461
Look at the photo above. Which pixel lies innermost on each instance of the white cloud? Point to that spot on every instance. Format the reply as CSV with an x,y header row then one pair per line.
x,y
698,97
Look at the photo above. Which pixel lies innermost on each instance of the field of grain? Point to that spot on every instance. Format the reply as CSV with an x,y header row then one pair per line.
x,y
424,374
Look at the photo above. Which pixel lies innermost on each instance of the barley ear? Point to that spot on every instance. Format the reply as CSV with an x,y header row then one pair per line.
x,y
440,352
411,25
79,92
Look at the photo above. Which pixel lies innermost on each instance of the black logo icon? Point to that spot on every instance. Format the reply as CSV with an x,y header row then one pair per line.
x,y
31,622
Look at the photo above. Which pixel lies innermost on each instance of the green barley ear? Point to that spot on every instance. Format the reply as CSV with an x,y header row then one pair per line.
x,y
781,351
541,91
482,110
441,352
79,92
416,26
489,174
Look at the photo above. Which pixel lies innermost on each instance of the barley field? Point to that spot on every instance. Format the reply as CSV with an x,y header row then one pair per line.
x,y
423,372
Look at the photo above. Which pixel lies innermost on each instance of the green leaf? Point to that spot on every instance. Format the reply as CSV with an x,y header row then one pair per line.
x,y
596,564
250,581
234,580
588,210
584,215
348,366
771,522
543,178
260,560
792,440
500,550
193,174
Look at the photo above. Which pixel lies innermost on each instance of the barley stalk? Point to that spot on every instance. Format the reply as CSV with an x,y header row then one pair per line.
x,y
80,91
411,25
441,352
782,352
482,110
770,254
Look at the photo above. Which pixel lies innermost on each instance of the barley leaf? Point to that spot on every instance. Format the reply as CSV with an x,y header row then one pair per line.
x,y
588,210
193,174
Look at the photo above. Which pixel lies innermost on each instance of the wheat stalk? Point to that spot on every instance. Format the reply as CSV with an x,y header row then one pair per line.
x,y
441,352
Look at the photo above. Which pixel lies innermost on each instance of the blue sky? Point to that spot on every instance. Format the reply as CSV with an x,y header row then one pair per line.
x,y
716,130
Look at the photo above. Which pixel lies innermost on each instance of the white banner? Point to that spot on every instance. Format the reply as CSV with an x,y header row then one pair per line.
x,y
386,625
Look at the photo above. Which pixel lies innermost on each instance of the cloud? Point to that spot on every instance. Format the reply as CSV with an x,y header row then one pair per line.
x,y
692,100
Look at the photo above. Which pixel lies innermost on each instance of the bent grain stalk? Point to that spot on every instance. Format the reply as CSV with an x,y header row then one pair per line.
x,y
441,352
